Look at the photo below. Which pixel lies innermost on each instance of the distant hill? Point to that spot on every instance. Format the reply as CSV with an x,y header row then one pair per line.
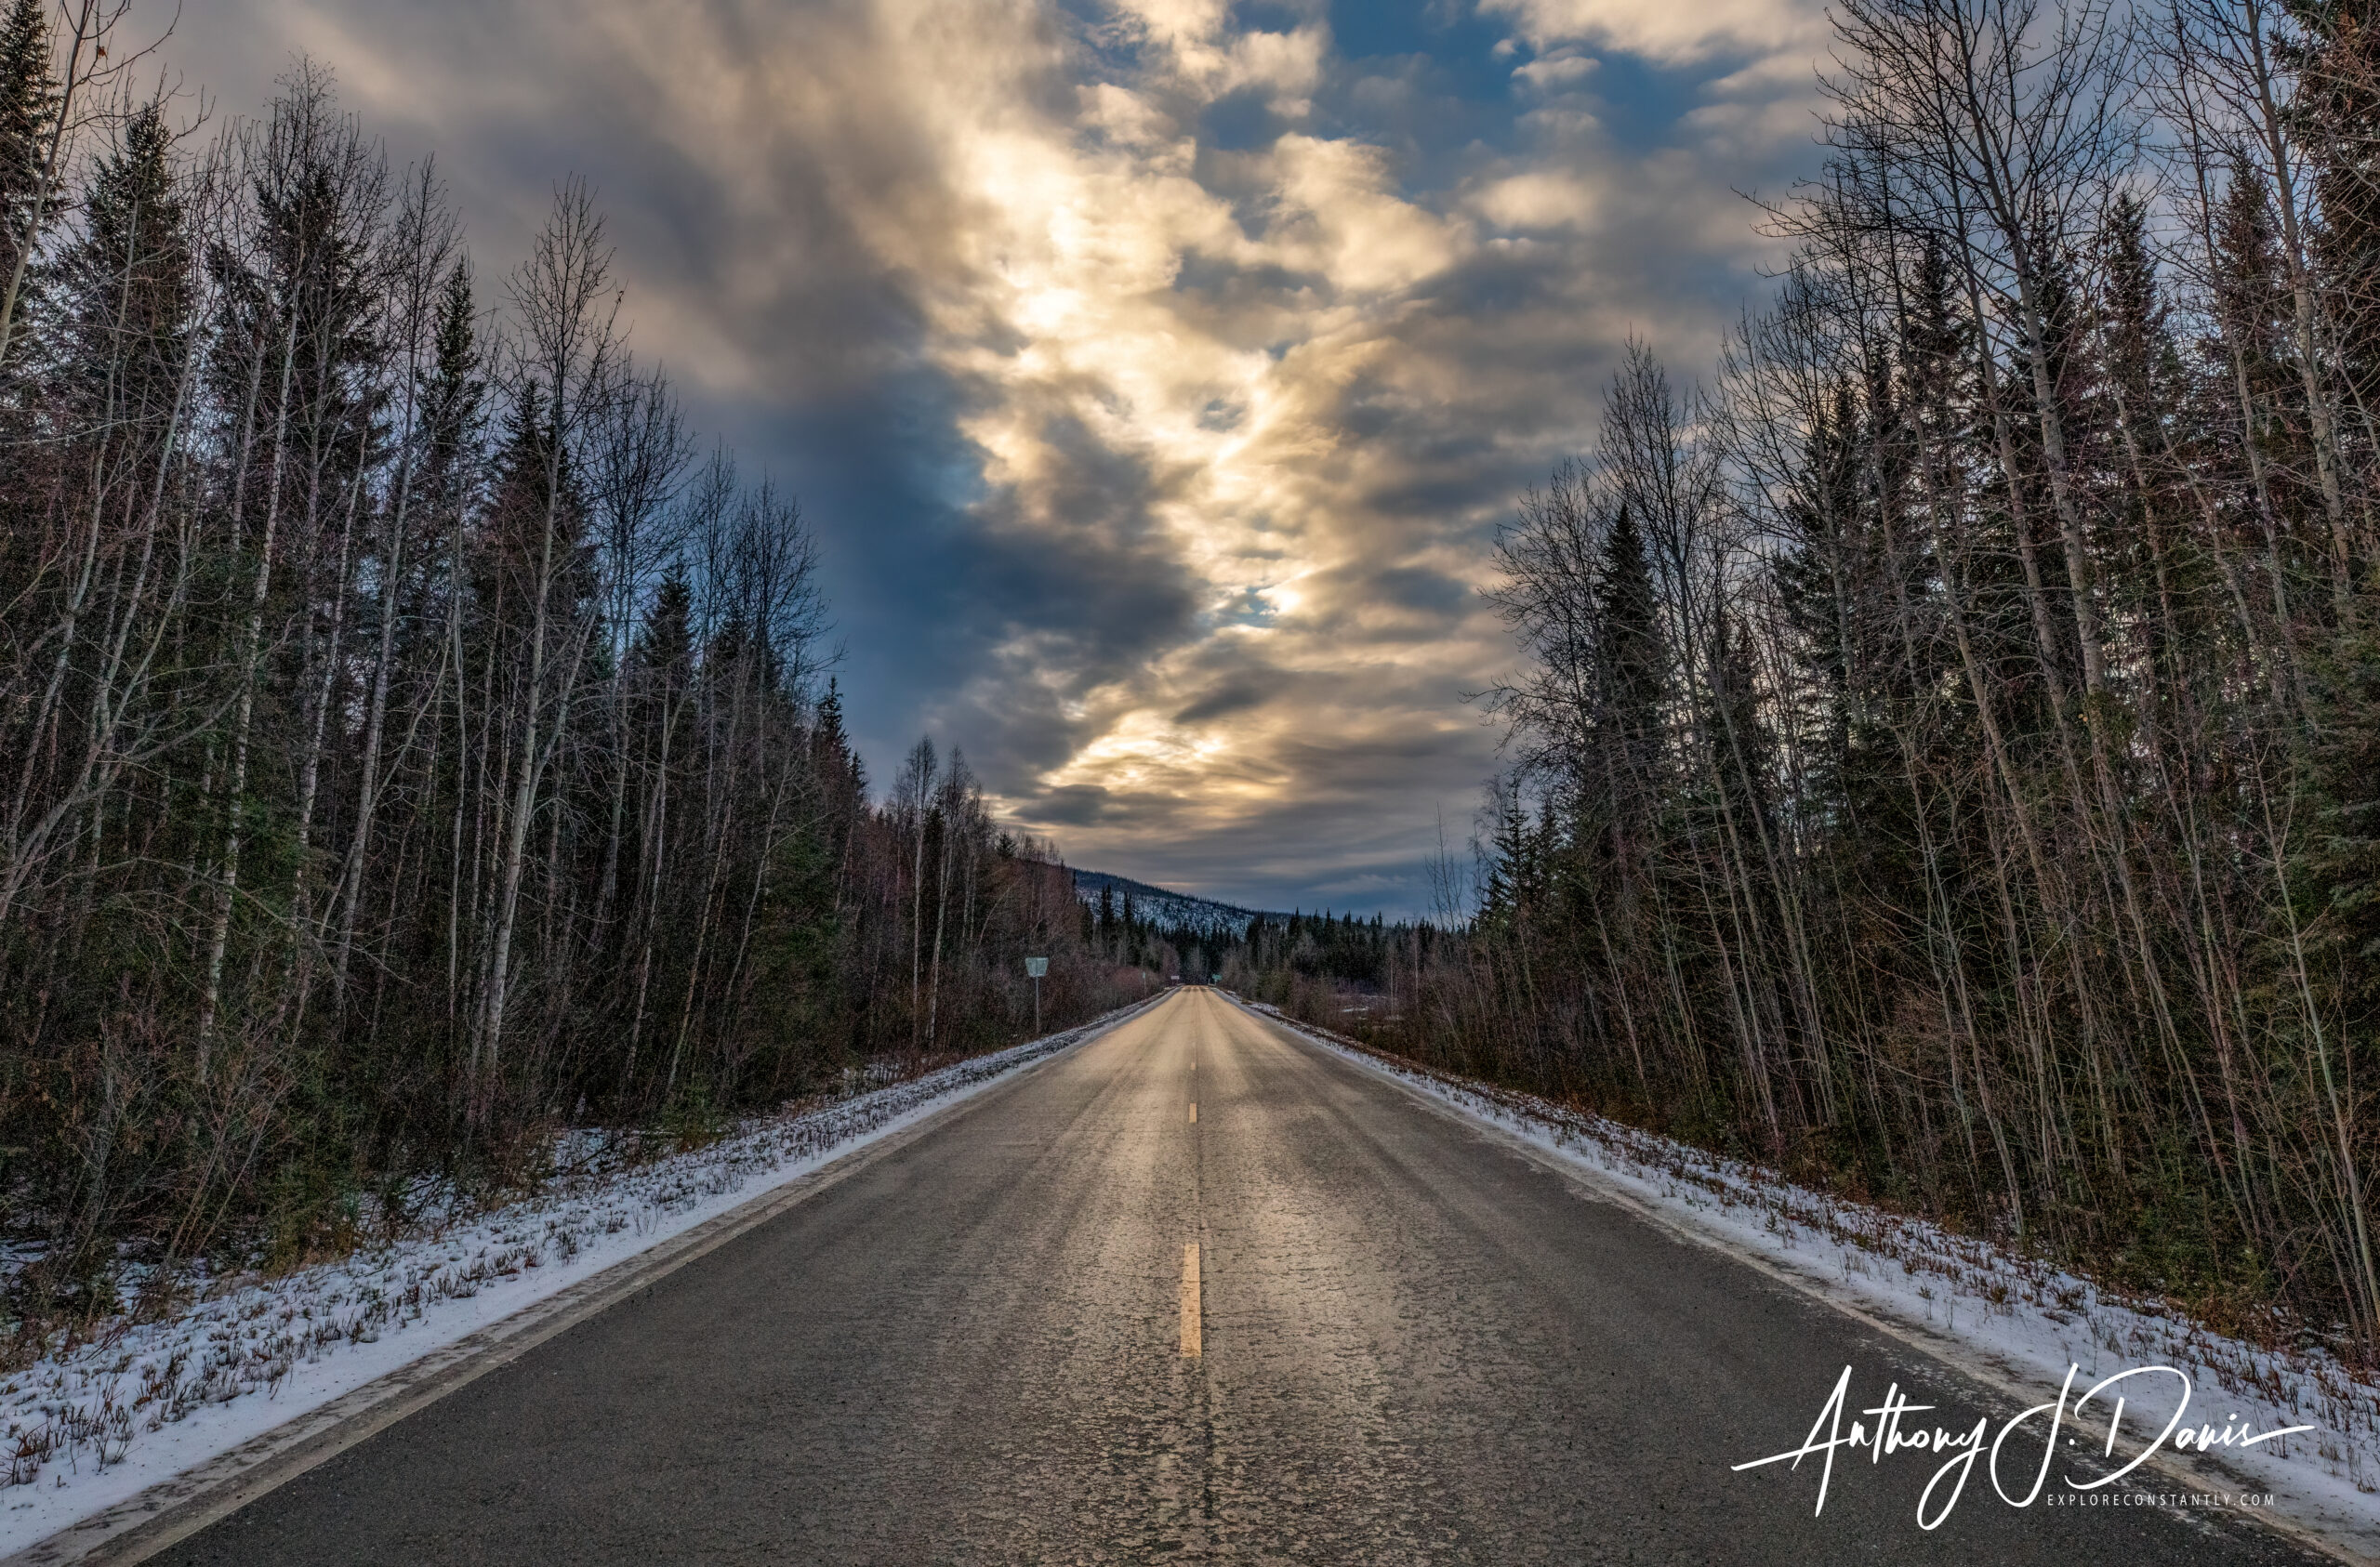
x,y
1162,906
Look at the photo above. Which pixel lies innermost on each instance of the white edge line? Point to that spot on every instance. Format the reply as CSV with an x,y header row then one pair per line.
x,y
172,1510
2338,1539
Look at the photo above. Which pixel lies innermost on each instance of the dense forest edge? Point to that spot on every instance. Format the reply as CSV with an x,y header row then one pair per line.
x,y
1945,746
413,742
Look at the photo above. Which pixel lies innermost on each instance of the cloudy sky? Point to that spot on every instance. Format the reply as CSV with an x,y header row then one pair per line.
x,y
1157,372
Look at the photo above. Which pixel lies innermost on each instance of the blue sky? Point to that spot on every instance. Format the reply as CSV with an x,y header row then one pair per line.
x,y
1153,373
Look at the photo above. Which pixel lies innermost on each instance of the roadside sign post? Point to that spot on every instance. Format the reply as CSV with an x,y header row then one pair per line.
x,y
1037,967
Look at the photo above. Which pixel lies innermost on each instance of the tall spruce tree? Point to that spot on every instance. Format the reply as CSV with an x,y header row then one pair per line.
x,y
1632,677
126,281
2335,113
29,103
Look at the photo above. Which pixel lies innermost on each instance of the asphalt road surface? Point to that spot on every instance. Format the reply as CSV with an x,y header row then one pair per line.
x,y
1413,1344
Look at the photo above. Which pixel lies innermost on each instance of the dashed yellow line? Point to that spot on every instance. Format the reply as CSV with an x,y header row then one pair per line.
x,y
1190,1301
1194,1113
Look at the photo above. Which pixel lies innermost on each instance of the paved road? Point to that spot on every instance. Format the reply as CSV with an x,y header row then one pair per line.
x,y
1417,1345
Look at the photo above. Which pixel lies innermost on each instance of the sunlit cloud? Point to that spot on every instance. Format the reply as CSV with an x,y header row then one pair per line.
x,y
1664,31
1156,373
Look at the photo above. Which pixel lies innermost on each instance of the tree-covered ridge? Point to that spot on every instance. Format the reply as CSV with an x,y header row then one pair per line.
x,y
1179,911
1175,936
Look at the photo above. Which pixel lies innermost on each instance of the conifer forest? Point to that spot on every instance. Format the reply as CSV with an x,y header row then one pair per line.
x,y
1945,743
416,738
1943,734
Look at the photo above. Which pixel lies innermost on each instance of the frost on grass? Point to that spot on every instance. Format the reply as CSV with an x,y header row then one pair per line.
x,y
2022,1311
168,1394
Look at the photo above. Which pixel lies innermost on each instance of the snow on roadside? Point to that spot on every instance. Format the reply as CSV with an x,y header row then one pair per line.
x,y
138,1404
2025,1313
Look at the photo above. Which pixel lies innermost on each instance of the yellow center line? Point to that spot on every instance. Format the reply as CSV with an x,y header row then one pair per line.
x,y
1190,1301
1194,1113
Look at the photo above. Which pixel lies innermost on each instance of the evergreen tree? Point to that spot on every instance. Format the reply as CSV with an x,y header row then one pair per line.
x,y
126,281
451,393
2336,115
1745,755
666,642
2251,306
1633,685
532,470
28,113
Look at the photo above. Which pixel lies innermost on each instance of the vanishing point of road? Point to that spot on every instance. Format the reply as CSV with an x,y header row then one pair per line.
x,y
1312,1321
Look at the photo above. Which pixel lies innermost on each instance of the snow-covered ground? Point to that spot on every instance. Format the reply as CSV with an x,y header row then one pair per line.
x,y
99,1424
2020,1320
86,1429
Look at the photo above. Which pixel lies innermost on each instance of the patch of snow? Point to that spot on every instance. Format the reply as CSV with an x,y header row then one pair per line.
x,y
1175,910
97,1424
2021,1313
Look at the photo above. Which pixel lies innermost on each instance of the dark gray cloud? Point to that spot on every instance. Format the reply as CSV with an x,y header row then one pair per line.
x,y
1155,371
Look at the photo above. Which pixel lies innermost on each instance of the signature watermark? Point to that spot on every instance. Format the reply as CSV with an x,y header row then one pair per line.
x,y
1890,1429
